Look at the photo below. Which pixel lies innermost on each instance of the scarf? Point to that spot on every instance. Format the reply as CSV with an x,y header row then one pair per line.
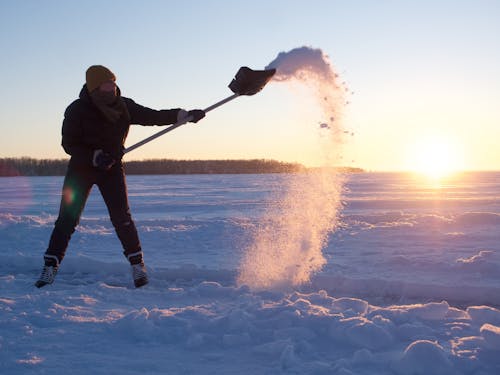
x,y
111,106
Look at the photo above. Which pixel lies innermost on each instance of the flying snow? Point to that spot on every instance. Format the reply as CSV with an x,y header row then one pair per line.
x,y
287,247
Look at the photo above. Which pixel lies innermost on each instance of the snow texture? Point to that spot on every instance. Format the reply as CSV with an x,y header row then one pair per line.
x,y
410,285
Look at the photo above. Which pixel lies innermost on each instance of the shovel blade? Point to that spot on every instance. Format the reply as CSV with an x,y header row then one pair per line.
x,y
249,82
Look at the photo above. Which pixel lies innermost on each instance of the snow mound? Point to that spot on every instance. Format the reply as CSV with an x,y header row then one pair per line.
x,y
424,357
484,314
486,262
491,335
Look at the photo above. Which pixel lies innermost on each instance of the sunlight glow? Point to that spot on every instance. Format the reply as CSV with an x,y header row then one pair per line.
x,y
435,158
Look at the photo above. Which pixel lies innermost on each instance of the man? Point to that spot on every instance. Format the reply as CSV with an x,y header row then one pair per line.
x,y
94,130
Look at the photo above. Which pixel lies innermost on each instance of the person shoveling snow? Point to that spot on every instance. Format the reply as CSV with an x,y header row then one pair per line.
x,y
94,130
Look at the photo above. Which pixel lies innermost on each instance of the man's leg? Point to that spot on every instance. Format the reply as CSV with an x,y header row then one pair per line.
x,y
114,191
76,189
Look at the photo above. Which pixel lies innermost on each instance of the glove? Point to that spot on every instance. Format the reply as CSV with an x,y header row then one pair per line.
x,y
102,160
195,114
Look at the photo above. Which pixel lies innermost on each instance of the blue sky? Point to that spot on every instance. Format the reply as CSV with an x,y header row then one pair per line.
x,y
422,72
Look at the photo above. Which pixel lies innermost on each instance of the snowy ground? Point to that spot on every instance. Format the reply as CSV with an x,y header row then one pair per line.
x,y
412,284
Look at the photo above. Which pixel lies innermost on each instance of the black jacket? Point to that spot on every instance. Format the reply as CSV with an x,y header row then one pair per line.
x,y
86,129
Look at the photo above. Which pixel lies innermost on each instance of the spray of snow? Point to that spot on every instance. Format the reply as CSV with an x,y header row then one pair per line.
x,y
288,243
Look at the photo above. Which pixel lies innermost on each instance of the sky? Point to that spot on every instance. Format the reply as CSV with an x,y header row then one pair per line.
x,y
423,74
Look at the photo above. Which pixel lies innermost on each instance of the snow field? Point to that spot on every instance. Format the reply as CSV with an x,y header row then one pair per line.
x,y
410,285
206,327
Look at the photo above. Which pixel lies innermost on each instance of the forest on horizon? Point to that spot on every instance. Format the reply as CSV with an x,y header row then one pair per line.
x,y
26,166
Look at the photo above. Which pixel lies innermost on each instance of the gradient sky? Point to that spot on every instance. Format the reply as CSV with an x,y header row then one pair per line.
x,y
425,76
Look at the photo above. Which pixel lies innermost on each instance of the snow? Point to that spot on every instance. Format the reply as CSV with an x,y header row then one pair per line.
x,y
410,286
295,228
424,357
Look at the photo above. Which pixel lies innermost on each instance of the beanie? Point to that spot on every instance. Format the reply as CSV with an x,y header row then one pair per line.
x,y
97,75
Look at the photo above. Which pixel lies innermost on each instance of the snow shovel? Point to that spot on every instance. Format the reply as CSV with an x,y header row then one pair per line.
x,y
246,82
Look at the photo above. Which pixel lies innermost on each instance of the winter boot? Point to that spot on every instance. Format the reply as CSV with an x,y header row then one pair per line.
x,y
49,271
138,269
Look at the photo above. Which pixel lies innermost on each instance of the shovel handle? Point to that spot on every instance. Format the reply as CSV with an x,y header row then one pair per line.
x,y
223,101
177,124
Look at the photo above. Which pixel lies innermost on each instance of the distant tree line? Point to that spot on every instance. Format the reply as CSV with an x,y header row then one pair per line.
x,y
32,167
169,166
57,167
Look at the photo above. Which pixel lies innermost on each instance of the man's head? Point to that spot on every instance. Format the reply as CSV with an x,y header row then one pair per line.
x,y
98,75
101,84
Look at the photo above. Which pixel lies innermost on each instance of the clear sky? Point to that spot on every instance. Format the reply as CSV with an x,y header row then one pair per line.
x,y
425,76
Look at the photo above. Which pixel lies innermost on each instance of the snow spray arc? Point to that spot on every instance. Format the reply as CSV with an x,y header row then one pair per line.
x,y
288,241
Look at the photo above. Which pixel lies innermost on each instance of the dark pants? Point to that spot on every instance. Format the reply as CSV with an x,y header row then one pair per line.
x,y
76,189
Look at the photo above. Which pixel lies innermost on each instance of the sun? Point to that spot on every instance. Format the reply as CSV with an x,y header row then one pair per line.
x,y
435,157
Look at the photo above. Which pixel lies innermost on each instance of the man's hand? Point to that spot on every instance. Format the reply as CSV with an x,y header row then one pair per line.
x,y
195,115
102,160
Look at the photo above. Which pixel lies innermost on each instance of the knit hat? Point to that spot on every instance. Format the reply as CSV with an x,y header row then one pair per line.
x,y
97,75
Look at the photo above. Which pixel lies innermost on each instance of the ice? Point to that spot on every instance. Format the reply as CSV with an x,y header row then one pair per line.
x,y
398,294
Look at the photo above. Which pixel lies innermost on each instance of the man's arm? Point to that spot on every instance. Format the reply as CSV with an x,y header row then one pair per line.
x,y
146,116
72,138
